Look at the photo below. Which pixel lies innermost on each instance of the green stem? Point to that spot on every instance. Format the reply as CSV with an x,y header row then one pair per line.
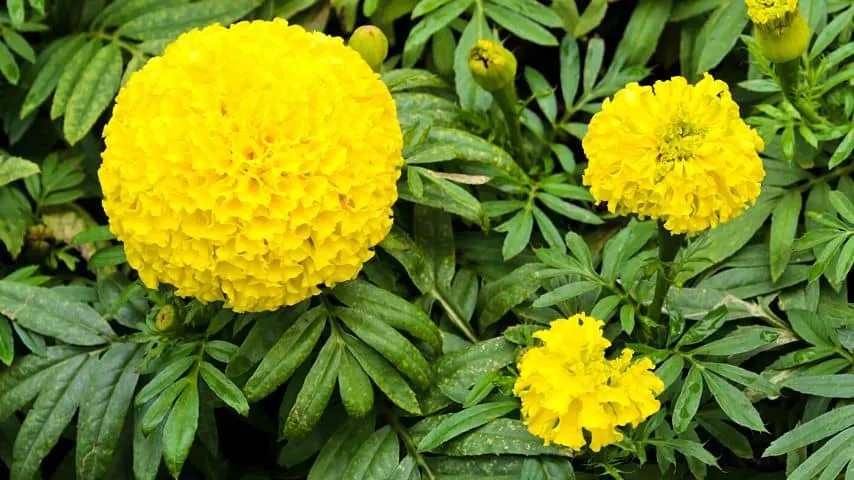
x,y
835,173
787,75
455,317
668,246
506,98
403,433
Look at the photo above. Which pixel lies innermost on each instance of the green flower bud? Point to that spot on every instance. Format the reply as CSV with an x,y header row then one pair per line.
x,y
784,42
371,44
166,319
492,66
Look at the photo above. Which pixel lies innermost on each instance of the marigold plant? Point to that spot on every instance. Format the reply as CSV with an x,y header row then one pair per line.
x,y
675,152
567,386
251,164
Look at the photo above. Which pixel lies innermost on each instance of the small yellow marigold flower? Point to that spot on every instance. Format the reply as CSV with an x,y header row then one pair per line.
x,y
251,164
771,12
568,386
492,66
675,152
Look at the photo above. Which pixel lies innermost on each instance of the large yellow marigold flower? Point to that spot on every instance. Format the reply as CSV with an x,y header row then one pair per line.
x,y
567,386
676,152
251,164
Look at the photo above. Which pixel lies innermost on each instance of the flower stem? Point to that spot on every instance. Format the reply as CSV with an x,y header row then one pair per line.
x,y
403,433
506,98
787,75
668,246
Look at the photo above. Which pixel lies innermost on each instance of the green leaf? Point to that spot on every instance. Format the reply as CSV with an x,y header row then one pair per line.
x,y
15,168
564,293
265,332
543,93
315,392
180,429
8,65
733,402
645,27
392,309
164,379
831,386
463,421
504,436
400,245
690,449
389,343
442,194
16,11
93,92
376,458
592,63
48,313
550,232
813,431
809,469
686,9
842,205
100,233
843,151
20,384
15,216
720,34
430,24
570,69
535,11
569,210
519,25
287,354
725,240
519,229
108,256
161,406
72,70
104,406
784,226
426,6
753,381
828,34
383,375
741,340
846,261
7,342
147,449
224,388
499,296
122,11
50,415
458,371
171,21
355,387
471,148
688,400
343,445
728,436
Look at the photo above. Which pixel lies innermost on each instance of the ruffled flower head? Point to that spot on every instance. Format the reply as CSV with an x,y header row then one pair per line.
x,y
771,12
567,386
251,164
675,152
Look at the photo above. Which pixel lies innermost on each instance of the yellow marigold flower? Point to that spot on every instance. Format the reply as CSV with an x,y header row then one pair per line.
x,y
771,12
676,152
251,164
568,386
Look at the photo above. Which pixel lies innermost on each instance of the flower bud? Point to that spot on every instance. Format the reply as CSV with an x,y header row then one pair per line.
x,y
166,319
784,41
372,45
492,66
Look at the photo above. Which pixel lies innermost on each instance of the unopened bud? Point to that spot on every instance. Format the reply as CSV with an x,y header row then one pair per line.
x,y
371,44
166,319
784,41
492,66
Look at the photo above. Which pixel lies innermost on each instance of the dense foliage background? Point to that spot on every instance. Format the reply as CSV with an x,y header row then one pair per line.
x,y
406,373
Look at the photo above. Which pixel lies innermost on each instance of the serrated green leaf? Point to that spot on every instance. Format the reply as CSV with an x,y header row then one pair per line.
x,y
342,445
728,436
543,93
8,65
25,379
19,45
784,226
164,379
813,431
427,26
383,375
224,388
50,415
169,22
471,148
46,312
688,400
16,11
389,343
690,449
810,468
564,293
519,25
109,389
93,92
519,229
592,63
161,406
71,72
570,69
569,210
287,354
733,402
831,386
147,449
180,429
376,458
15,168
355,387
7,342
315,392
720,34
463,421
645,27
